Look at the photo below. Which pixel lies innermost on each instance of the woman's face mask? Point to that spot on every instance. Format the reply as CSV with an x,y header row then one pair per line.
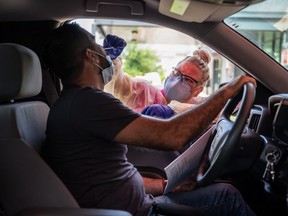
x,y
176,88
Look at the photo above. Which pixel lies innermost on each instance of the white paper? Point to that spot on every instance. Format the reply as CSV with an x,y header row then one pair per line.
x,y
184,165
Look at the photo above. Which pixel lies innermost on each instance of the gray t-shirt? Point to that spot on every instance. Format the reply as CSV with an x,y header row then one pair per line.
x,y
80,149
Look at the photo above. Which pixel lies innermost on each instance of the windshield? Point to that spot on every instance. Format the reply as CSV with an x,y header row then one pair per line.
x,y
265,24
153,51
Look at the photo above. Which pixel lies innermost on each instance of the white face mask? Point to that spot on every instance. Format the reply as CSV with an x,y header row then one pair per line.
x,y
108,72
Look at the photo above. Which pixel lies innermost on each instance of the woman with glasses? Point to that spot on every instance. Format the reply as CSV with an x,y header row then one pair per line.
x,y
181,88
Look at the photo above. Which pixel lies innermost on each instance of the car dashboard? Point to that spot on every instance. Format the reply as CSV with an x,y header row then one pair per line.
x,y
265,141
270,123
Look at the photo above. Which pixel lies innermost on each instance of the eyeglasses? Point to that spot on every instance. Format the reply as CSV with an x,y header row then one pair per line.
x,y
191,81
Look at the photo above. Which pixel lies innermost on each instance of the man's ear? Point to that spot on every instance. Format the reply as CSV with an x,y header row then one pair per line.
x,y
89,54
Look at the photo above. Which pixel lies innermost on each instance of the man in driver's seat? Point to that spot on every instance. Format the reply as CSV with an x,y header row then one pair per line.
x,y
88,132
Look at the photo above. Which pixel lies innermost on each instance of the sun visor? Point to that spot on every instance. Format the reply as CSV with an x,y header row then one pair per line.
x,y
201,10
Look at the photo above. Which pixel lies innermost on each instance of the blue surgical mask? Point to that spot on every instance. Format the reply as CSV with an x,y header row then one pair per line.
x,y
176,88
108,72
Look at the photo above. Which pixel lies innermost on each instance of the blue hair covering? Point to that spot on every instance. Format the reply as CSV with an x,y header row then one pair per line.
x,y
158,111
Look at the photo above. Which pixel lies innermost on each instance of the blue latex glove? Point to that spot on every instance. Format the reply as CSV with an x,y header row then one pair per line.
x,y
114,45
159,111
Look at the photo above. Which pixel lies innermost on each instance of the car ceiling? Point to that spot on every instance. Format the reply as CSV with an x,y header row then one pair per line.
x,y
138,10
13,10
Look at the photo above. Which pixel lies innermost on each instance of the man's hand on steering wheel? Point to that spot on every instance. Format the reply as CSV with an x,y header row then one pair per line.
x,y
227,132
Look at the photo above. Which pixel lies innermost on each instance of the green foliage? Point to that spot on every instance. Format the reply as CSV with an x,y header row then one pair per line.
x,y
139,61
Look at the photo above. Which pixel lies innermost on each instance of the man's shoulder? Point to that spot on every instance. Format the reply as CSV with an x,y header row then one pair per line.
x,y
86,92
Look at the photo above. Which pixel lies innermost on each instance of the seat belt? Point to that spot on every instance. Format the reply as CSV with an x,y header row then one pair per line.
x,y
49,87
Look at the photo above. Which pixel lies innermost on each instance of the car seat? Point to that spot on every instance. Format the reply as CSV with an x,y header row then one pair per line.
x,y
27,185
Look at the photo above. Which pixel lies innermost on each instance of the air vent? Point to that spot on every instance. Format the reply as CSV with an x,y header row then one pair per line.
x,y
254,122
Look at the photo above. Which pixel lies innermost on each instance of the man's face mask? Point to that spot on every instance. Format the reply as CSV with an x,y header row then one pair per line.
x,y
107,73
176,88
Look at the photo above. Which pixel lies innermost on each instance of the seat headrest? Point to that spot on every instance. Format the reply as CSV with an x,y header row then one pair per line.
x,y
20,72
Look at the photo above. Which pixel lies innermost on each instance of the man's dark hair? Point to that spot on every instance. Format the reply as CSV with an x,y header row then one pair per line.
x,y
65,49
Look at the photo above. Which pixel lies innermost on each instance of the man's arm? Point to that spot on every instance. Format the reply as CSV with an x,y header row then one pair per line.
x,y
154,186
174,133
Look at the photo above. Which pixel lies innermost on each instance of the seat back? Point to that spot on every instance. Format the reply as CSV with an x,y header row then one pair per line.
x,y
26,180
20,78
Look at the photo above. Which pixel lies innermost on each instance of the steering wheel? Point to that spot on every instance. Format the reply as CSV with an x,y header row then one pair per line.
x,y
226,134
